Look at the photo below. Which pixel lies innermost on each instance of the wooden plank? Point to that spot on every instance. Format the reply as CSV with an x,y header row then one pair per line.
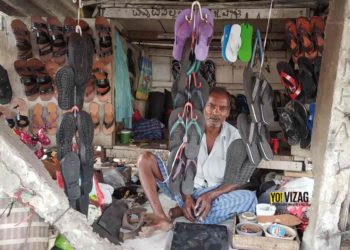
x,y
299,174
281,165
297,151
262,243
224,13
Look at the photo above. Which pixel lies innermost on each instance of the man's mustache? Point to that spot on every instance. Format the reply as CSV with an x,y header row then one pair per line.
x,y
214,118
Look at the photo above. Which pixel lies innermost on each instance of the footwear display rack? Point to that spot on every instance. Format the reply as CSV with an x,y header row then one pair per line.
x,y
7,61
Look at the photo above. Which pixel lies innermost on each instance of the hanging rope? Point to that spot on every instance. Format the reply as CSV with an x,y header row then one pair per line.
x,y
266,34
80,7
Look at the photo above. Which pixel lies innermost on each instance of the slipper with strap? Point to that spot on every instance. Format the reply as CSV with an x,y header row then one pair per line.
x,y
44,81
248,132
236,154
43,39
37,118
95,117
263,143
245,52
23,42
205,32
194,130
21,107
65,87
177,128
102,81
307,79
289,80
52,117
90,89
224,41
317,28
265,102
103,28
304,33
252,90
190,171
183,31
234,43
31,88
108,119
59,48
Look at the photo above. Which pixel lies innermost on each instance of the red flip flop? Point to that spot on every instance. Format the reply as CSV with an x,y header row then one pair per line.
x,y
289,80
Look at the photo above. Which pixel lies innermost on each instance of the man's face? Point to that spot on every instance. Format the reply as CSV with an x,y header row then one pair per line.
x,y
216,110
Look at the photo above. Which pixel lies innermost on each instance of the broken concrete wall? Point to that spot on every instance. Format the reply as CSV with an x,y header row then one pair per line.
x,y
330,139
21,170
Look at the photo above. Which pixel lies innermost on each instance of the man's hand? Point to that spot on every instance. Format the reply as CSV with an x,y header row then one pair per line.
x,y
203,204
188,208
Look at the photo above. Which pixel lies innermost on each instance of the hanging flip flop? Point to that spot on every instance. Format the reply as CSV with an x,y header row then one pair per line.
x,y
245,52
90,89
194,132
65,87
234,43
108,119
205,32
236,155
65,133
263,142
289,80
190,171
265,103
307,79
251,85
86,29
177,128
43,39
224,41
182,31
70,169
23,42
248,132
5,87
176,165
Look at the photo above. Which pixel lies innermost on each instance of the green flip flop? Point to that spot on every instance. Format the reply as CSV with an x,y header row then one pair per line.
x,y
245,52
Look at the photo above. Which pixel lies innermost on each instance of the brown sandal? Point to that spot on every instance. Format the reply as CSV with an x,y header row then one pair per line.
x,y
23,43
90,89
102,83
44,81
103,28
31,88
108,119
304,32
59,48
42,38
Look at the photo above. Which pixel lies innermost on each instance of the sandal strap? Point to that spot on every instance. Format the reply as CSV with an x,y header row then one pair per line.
x,y
27,80
55,29
37,26
60,52
23,44
108,125
19,32
42,37
43,79
68,28
102,28
22,121
46,89
106,53
102,83
105,41
33,91
45,50
103,91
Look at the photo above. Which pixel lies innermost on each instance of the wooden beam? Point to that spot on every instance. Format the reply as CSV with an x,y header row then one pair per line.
x,y
59,8
213,5
331,135
281,165
7,9
224,14
26,7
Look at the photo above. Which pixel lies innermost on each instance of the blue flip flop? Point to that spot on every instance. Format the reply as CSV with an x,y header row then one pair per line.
x,y
225,37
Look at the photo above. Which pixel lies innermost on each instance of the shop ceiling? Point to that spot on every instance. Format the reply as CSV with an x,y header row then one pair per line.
x,y
152,22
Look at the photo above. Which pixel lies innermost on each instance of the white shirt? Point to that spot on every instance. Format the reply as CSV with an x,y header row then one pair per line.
x,y
211,168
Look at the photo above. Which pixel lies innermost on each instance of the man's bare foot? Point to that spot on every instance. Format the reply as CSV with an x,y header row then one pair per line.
x,y
175,212
155,223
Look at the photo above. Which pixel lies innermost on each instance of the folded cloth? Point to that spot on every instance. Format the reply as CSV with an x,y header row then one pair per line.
x,y
148,129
